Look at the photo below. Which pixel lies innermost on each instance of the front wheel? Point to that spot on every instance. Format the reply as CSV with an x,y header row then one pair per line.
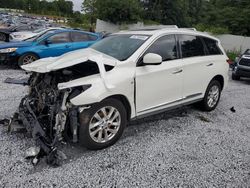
x,y
212,96
103,124
27,59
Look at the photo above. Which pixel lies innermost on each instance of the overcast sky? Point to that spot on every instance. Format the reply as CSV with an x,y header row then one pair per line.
x,y
77,4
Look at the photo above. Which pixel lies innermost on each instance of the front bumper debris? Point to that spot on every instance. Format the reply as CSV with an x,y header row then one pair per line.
x,y
48,146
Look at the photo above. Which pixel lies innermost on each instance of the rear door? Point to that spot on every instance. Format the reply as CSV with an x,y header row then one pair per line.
x,y
160,86
60,43
198,68
82,40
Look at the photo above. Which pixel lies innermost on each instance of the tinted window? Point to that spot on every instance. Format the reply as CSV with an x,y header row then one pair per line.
x,y
212,46
80,37
92,37
191,46
60,38
165,47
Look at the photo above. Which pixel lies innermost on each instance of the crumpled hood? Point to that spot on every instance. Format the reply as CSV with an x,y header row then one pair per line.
x,y
73,58
68,60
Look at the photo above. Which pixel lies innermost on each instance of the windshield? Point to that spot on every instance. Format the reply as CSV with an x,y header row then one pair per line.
x,y
120,46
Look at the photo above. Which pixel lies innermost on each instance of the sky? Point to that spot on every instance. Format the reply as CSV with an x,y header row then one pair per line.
x,y
77,4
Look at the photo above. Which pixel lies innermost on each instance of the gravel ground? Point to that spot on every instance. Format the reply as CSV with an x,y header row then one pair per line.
x,y
187,148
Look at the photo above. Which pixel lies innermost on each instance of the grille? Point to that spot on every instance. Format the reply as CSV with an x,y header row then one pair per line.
x,y
245,62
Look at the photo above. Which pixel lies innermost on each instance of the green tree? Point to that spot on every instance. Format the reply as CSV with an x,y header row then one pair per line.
x,y
115,11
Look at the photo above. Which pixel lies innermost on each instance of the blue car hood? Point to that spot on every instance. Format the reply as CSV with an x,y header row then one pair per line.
x,y
15,44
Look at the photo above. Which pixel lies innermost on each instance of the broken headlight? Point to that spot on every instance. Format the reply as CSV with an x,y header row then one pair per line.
x,y
78,90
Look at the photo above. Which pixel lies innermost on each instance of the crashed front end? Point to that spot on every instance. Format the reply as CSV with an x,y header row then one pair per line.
x,y
47,112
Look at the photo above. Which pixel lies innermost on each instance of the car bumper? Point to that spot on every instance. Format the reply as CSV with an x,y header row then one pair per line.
x,y
239,71
8,58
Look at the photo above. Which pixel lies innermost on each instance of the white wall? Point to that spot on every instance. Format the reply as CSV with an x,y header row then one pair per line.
x,y
234,42
229,42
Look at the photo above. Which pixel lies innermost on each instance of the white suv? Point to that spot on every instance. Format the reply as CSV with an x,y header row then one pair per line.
x,y
91,94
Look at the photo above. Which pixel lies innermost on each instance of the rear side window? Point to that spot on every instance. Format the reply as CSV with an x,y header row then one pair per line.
x,y
166,47
81,37
212,46
92,37
191,46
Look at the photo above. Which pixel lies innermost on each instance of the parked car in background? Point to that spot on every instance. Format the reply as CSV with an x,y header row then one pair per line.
x,y
5,32
23,35
48,44
242,66
125,76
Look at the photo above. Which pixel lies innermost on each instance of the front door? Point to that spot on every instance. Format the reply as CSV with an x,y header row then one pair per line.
x,y
160,86
59,44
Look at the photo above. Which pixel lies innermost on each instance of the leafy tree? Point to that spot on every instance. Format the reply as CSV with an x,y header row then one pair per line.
x,y
115,11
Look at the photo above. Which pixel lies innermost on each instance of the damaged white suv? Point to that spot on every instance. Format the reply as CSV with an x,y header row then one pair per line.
x,y
89,95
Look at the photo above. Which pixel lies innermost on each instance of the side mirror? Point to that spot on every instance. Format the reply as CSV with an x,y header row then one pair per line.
x,y
48,41
152,59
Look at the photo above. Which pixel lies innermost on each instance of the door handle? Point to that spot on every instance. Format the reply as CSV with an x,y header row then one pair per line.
x,y
210,64
177,71
67,46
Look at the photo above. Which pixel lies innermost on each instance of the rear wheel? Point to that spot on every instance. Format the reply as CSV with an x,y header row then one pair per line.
x,y
27,59
212,96
103,124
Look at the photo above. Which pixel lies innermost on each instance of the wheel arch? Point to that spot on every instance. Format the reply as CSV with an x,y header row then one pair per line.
x,y
29,52
220,79
125,102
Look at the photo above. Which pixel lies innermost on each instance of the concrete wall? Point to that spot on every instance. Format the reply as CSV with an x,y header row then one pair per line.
x,y
111,28
234,42
229,42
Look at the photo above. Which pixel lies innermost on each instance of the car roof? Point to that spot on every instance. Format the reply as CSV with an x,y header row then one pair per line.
x,y
158,32
70,30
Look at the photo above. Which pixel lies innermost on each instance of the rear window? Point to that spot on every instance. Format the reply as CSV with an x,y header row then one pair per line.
x,y
191,46
212,46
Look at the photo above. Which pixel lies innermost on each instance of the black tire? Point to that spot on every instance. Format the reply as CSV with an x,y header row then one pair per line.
x,y
87,116
204,104
22,59
235,77
3,37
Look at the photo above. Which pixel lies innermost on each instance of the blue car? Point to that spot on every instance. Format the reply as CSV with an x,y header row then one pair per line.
x,y
49,44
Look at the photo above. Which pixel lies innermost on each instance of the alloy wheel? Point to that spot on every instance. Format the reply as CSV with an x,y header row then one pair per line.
x,y
105,124
213,96
29,59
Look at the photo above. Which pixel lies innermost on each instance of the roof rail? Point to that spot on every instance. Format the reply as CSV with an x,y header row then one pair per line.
x,y
157,27
191,28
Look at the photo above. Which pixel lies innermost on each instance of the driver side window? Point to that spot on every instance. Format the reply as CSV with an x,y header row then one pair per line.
x,y
165,46
60,38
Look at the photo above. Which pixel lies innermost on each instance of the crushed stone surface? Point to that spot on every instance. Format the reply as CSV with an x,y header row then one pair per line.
x,y
183,148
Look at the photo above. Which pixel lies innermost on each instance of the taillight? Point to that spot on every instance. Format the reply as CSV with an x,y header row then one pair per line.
x,y
229,61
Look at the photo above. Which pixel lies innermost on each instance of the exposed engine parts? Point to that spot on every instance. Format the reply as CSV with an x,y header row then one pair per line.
x,y
47,114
